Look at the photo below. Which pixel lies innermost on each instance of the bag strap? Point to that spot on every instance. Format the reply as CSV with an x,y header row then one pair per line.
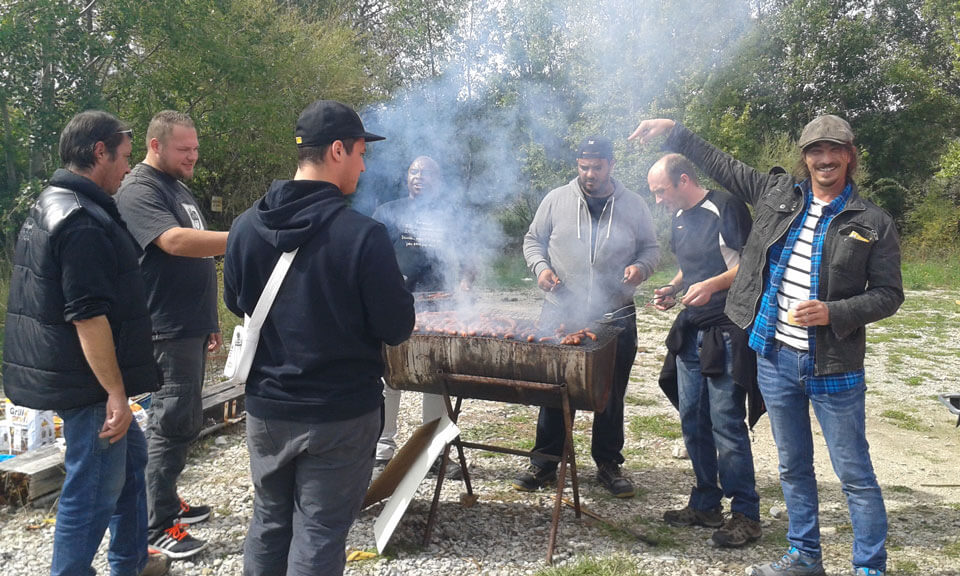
x,y
270,290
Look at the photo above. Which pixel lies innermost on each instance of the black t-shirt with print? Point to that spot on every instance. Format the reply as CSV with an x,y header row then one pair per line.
x,y
181,292
707,240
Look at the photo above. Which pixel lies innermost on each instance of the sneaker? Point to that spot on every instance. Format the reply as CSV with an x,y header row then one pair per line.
x,y
176,543
453,471
535,478
688,516
157,564
192,514
793,563
864,571
738,531
610,477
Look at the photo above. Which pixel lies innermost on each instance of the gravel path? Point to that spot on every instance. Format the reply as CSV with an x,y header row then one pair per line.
x,y
914,445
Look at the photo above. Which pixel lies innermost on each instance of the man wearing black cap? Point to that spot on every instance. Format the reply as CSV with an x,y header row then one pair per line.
x,y
591,243
819,265
314,392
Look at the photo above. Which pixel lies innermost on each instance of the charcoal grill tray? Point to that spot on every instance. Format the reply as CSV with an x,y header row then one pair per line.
x,y
419,364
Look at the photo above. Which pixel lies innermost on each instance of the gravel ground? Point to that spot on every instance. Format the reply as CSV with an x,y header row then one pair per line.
x,y
914,446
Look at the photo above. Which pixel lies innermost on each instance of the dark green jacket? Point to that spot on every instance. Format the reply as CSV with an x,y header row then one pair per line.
x,y
859,281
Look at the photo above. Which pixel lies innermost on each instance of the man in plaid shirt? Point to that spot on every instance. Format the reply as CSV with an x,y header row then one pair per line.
x,y
820,264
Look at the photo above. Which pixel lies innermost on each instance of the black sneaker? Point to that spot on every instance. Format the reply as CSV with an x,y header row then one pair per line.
x,y
738,531
452,472
535,478
688,516
610,477
192,514
176,543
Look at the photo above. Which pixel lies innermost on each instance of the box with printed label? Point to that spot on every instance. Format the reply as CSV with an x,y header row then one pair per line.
x,y
29,428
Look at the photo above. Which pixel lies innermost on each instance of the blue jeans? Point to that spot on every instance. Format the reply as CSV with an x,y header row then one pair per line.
x,y
104,486
842,419
712,414
309,481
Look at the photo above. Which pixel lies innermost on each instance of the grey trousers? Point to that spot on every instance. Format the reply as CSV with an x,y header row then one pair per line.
x,y
176,415
309,482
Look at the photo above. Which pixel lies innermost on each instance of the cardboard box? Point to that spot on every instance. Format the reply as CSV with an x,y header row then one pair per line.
x,y
5,439
29,428
140,415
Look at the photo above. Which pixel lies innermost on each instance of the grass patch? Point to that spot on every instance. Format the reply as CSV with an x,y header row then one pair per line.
x,y
770,492
656,425
775,536
913,380
898,489
923,273
613,566
952,550
639,401
903,420
906,567
510,271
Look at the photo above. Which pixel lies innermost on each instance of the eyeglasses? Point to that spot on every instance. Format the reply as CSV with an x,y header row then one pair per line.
x,y
128,132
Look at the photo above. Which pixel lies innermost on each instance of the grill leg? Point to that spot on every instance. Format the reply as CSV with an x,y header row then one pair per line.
x,y
453,412
568,455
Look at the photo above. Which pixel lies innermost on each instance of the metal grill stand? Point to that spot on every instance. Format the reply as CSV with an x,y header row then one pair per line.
x,y
568,456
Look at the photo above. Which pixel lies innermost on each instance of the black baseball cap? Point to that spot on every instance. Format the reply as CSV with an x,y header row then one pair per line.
x,y
325,121
595,147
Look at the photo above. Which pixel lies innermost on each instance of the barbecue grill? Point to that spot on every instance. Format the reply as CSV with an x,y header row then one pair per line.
x,y
507,370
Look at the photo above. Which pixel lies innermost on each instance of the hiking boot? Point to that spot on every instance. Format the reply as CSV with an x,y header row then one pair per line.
x,y
192,514
864,571
736,532
534,478
688,516
793,563
610,477
451,472
176,543
157,564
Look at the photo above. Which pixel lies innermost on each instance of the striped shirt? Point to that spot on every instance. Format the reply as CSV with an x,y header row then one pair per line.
x,y
789,277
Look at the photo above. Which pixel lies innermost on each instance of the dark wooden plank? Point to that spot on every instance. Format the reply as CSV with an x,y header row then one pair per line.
x,y
31,475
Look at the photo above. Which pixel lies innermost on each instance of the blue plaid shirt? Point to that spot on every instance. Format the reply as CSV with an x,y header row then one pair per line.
x,y
763,330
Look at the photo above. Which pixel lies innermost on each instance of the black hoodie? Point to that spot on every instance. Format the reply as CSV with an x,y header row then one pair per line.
x,y
320,353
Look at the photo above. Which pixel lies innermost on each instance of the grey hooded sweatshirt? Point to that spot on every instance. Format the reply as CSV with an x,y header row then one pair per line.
x,y
591,277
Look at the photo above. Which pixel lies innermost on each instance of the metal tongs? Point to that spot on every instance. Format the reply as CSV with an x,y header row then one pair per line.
x,y
667,301
618,314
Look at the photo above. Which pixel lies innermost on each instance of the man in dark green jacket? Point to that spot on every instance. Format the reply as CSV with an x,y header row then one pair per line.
x,y
820,264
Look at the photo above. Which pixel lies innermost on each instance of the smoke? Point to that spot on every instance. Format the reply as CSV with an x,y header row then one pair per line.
x,y
522,82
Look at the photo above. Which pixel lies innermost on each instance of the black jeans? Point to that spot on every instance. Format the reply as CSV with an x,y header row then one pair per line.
x,y
176,417
607,441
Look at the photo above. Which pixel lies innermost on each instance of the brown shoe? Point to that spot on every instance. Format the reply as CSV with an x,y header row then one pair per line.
x,y
738,531
688,516
158,564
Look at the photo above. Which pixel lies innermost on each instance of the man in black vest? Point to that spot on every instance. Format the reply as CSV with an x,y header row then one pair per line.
x,y
181,279
78,341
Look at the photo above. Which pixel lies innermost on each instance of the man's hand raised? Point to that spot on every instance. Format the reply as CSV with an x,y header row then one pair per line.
x,y
650,129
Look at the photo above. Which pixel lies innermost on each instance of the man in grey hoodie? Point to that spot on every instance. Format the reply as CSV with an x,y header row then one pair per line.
x,y
591,243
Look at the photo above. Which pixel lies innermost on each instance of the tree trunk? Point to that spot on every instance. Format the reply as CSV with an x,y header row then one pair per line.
x,y
12,184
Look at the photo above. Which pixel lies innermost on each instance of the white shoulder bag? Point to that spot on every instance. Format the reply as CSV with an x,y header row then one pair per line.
x,y
245,337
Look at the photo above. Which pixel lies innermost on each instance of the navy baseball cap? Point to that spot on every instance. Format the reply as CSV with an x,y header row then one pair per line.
x,y
595,147
325,121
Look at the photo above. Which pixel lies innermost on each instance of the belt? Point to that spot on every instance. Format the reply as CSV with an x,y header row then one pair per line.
x,y
779,345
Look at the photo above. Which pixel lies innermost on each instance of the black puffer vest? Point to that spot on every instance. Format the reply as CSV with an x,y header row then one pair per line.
x,y
43,363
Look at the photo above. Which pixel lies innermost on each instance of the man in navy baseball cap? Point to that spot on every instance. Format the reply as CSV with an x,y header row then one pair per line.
x,y
326,121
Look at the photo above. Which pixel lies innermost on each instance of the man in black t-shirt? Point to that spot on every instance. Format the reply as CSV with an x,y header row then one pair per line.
x,y
708,232
181,280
